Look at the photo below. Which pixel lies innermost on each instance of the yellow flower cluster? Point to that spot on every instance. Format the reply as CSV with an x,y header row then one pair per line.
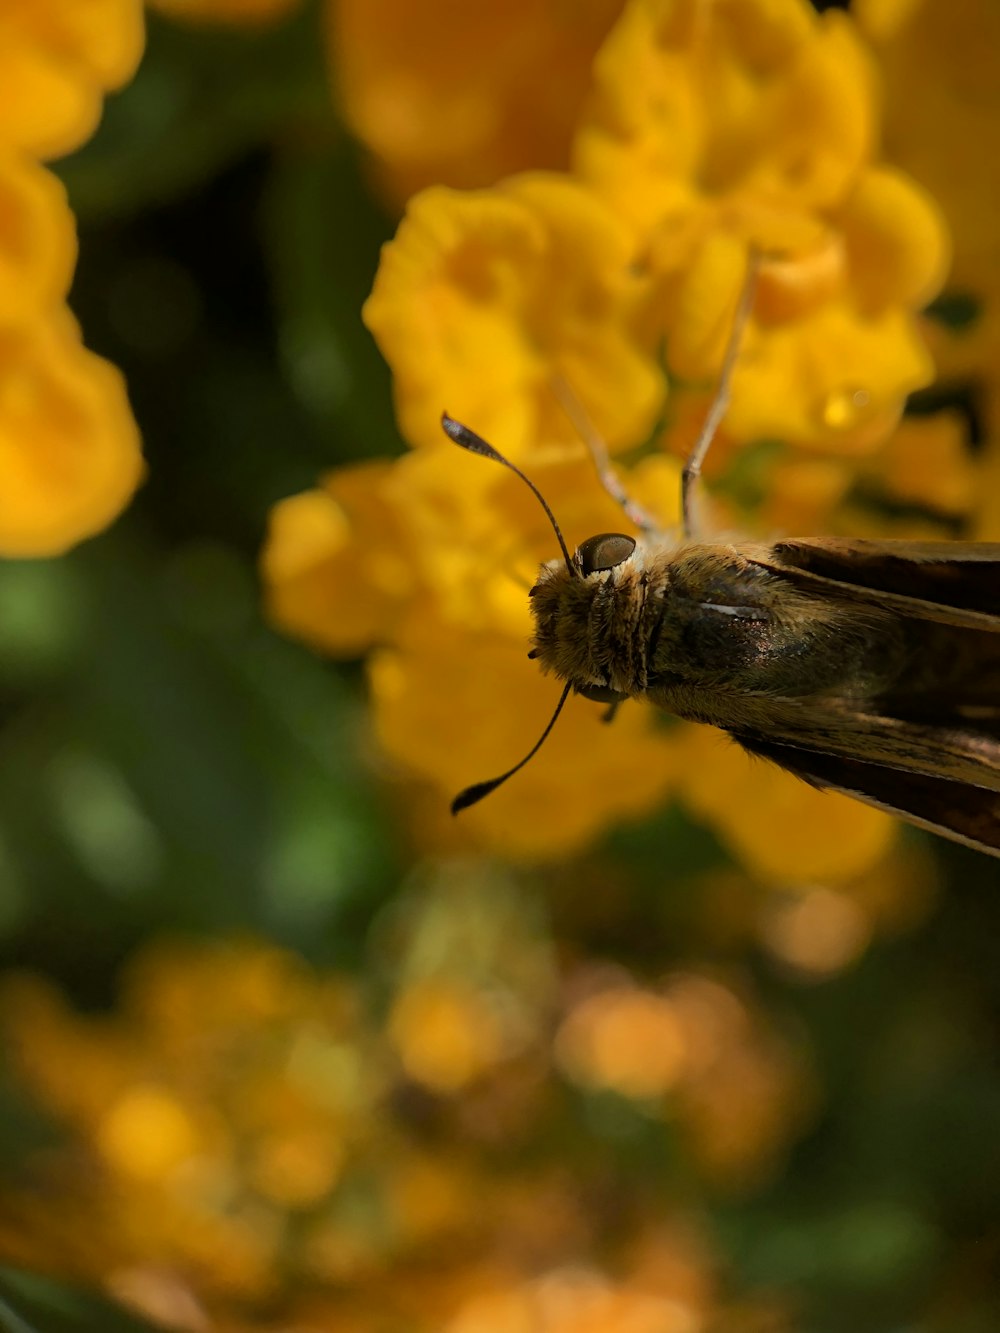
x,y
710,129
69,448
251,1146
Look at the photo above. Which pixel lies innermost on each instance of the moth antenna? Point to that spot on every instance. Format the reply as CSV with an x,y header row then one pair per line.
x,y
723,393
470,795
468,439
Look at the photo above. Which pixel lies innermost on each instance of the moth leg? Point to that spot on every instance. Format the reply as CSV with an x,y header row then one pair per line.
x,y
720,403
598,451
611,711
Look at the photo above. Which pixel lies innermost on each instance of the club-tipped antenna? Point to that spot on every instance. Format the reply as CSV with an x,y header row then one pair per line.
x,y
480,789
468,439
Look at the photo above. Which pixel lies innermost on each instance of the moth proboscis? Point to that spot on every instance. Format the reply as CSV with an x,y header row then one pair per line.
x,y
870,668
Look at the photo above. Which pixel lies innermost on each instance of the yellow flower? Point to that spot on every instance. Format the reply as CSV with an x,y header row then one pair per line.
x,y
927,462
37,240
777,826
334,565
69,446
462,95
717,126
712,129
57,60
483,299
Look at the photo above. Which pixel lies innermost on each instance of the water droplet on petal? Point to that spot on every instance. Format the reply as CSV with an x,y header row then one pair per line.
x,y
845,408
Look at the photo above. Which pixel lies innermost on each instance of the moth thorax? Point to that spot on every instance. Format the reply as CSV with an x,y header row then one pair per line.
x,y
589,631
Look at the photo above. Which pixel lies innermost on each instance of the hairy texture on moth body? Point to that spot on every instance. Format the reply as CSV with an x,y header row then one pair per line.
x,y
711,633
596,630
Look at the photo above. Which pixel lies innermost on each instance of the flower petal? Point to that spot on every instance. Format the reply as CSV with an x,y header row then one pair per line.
x,y
69,447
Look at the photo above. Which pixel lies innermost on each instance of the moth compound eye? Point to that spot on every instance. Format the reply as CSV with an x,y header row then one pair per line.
x,y
604,551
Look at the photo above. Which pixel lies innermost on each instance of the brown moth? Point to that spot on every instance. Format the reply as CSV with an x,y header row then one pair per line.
x,y
864,667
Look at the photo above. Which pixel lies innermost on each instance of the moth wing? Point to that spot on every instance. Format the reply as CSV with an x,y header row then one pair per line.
x,y
955,583
930,753
965,752
955,809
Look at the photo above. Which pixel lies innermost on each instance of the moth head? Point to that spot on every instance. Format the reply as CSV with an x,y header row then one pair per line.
x,y
560,604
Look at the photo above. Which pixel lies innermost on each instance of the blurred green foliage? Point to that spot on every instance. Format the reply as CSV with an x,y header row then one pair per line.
x,y
30,1304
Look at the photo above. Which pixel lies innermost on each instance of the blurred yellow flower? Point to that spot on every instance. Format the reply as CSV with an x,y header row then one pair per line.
x,y
462,95
575,1300
37,240
625,1039
334,566
146,1134
447,1033
69,447
942,114
57,60
694,1050
927,462
226,1093
817,932
776,825
241,1139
